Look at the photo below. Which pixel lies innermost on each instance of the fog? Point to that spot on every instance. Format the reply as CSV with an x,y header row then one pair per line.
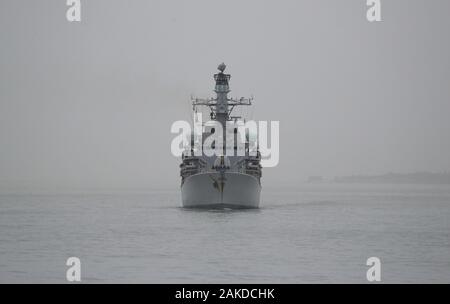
x,y
89,105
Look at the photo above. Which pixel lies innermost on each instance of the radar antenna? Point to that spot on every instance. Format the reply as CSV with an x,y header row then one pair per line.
x,y
221,106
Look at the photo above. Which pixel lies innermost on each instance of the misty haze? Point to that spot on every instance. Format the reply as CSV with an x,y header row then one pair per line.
x,y
86,168
90,104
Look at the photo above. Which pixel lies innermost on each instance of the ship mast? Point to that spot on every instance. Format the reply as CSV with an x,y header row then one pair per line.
x,y
222,89
221,106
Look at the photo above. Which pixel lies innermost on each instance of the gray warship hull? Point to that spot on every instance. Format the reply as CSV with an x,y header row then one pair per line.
x,y
216,190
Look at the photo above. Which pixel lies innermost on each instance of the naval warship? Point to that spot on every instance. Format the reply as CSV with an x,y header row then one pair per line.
x,y
222,180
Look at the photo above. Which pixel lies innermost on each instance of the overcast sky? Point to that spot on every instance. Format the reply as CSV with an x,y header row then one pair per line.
x,y
90,104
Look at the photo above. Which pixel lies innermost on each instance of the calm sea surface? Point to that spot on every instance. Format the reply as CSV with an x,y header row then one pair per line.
x,y
314,234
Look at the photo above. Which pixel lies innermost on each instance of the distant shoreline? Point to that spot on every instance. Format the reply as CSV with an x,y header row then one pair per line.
x,y
389,178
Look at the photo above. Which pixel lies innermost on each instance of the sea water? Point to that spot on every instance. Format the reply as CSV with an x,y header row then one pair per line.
x,y
317,233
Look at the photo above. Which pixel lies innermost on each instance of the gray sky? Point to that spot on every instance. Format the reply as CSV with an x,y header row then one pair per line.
x,y
90,104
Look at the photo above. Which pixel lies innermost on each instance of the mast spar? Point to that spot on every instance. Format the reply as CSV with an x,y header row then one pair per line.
x,y
221,106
